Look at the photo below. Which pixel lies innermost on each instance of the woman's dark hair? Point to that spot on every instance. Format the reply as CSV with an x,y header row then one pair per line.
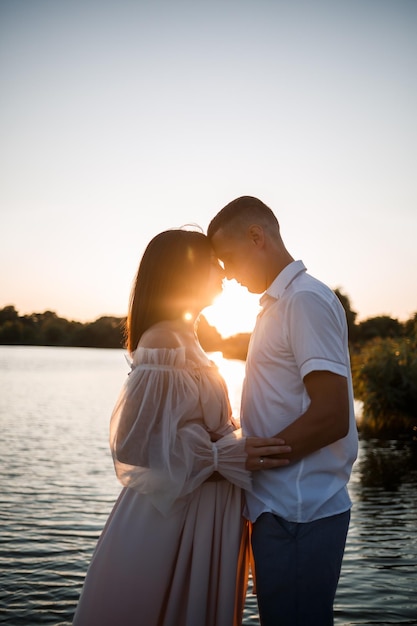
x,y
172,273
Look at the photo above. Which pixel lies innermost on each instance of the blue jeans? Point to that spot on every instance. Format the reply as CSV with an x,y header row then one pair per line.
x,y
297,568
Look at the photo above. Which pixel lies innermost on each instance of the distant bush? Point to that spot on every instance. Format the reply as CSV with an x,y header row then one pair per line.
x,y
48,329
385,380
381,326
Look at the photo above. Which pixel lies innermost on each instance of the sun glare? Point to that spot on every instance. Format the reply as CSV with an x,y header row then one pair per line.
x,y
233,371
234,310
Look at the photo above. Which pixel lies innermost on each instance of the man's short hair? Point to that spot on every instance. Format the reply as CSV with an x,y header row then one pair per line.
x,y
239,213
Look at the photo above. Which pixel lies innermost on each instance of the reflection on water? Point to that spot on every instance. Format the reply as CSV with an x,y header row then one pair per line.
x,y
388,463
379,571
58,487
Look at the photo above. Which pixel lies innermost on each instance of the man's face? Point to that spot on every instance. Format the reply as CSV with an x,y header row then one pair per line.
x,y
240,257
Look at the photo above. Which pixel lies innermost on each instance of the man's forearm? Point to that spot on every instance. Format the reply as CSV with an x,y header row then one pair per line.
x,y
310,432
325,421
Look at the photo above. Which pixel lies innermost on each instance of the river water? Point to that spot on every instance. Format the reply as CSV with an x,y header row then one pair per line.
x,y
58,487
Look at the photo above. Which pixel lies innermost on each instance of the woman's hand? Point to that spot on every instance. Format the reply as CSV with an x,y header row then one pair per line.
x,y
266,453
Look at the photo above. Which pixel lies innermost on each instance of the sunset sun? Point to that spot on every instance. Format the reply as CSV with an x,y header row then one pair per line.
x,y
234,310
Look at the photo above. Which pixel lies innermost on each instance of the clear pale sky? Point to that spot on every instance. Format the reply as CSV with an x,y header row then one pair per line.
x,y
119,119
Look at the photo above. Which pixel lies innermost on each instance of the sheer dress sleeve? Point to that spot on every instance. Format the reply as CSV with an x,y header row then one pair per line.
x,y
159,430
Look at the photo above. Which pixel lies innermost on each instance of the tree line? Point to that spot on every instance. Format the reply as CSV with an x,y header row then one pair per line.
x,y
48,329
383,355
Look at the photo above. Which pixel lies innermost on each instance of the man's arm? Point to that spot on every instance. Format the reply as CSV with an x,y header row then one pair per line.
x,y
326,419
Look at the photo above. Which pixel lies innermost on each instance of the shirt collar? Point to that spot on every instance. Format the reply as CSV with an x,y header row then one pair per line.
x,y
282,281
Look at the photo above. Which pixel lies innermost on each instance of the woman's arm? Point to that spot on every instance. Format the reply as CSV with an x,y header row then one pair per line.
x,y
262,452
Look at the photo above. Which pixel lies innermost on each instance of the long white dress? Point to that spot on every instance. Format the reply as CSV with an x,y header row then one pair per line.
x,y
174,551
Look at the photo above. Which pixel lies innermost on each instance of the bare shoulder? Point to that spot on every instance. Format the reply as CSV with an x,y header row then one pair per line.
x,y
159,337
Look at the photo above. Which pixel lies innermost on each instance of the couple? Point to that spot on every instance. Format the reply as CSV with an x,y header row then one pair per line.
x,y
175,549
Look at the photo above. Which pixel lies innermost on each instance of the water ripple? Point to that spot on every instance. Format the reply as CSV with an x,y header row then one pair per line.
x,y
58,487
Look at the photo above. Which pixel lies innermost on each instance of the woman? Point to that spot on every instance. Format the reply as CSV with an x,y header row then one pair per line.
x,y
174,550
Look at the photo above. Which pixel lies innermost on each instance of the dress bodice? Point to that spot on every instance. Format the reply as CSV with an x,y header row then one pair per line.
x,y
160,427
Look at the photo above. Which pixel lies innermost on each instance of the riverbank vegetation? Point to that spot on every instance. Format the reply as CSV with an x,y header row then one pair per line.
x,y
383,354
385,380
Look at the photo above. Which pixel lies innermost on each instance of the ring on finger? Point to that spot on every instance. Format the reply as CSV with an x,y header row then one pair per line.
x,y
261,460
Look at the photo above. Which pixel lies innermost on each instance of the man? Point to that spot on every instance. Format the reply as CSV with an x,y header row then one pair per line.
x,y
298,387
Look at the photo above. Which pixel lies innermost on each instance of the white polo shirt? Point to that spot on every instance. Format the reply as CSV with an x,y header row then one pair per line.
x,y
301,328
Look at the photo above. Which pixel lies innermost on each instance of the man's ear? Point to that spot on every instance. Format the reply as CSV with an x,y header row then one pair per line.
x,y
257,235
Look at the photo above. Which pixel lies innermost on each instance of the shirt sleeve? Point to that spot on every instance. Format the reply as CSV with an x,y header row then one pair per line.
x,y
159,442
317,334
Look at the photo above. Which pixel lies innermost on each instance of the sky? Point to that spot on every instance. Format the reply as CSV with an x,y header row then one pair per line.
x,y
119,119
